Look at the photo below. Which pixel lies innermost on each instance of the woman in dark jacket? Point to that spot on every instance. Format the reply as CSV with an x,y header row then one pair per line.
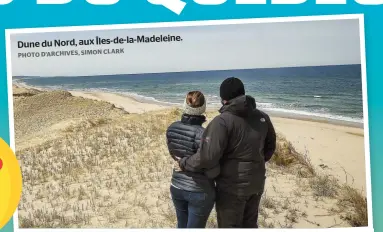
x,y
193,193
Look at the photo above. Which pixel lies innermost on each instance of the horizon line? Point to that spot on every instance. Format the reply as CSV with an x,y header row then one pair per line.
x,y
116,74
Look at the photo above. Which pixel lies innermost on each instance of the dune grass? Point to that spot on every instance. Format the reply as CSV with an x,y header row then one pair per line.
x,y
352,203
352,198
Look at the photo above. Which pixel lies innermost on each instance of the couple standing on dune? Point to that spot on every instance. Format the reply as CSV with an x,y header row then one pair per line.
x,y
223,164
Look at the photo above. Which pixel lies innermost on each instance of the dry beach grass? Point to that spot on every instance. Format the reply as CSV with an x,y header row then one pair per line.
x,y
88,164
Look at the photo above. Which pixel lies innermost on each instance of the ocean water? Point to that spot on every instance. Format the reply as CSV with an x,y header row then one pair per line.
x,y
332,92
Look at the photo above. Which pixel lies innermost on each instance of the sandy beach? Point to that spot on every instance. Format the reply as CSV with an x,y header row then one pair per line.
x,y
120,174
127,103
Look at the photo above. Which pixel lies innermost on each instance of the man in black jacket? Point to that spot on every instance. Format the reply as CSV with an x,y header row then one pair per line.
x,y
241,139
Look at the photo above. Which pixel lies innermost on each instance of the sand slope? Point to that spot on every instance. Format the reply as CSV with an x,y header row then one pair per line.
x,y
338,150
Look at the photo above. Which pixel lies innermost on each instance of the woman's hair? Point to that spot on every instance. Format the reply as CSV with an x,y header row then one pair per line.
x,y
195,99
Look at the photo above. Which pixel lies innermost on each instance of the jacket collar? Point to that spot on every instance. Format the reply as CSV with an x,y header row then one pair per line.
x,y
240,106
193,119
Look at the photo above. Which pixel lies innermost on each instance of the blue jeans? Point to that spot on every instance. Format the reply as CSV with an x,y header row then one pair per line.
x,y
192,208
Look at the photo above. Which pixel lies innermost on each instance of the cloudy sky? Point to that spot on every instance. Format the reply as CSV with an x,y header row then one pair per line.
x,y
257,45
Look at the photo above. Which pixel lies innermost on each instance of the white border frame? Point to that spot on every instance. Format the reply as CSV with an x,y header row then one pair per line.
x,y
360,17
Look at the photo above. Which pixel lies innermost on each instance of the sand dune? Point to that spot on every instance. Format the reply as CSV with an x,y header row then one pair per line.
x,y
40,114
105,167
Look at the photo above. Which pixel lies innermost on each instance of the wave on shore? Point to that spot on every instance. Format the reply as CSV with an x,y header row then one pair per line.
x,y
214,103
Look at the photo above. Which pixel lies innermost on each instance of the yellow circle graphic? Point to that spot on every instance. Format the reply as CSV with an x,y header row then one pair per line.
x,y
10,183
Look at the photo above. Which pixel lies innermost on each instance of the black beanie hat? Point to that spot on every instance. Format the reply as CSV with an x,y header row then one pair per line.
x,y
231,88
